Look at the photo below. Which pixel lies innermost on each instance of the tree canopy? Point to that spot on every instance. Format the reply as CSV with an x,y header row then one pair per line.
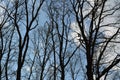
x,y
59,39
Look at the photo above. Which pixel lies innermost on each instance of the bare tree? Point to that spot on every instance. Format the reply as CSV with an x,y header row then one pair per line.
x,y
5,40
30,22
60,21
41,50
79,40
23,17
95,42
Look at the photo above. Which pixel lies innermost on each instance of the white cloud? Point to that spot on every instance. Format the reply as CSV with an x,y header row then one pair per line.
x,y
27,68
108,31
2,4
74,33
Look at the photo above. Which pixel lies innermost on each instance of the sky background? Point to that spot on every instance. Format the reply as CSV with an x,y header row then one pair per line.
x,y
109,30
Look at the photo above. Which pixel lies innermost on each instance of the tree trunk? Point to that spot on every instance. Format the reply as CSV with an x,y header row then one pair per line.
x,y
62,73
18,74
89,63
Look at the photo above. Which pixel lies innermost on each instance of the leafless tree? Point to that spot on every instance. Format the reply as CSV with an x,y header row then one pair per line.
x,y
60,21
95,42
23,17
79,40
6,33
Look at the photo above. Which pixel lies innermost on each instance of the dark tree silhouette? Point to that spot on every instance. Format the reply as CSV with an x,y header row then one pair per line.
x,y
78,40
